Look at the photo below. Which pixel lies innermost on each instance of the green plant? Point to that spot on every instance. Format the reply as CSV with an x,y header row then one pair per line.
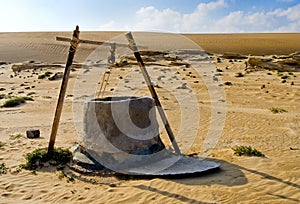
x,y
38,157
2,144
31,93
277,110
16,136
15,101
239,74
247,151
46,74
3,168
62,175
47,97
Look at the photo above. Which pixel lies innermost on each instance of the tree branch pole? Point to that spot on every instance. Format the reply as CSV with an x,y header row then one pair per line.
x,y
133,47
74,43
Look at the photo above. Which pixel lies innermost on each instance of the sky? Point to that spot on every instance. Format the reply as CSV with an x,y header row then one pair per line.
x,y
176,16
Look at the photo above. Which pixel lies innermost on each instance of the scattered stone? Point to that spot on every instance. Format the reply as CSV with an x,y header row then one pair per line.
x,y
285,77
27,87
263,86
230,55
283,81
292,83
112,185
183,86
3,63
2,89
228,83
33,133
57,75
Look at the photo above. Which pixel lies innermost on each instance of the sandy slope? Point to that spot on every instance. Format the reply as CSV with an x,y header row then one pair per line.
x,y
274,179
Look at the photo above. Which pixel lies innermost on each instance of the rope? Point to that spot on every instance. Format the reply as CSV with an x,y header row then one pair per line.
x,y
104,82
111,60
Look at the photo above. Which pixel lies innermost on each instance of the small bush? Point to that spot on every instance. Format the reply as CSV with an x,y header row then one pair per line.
x,y
46,74
2,96
277,110
15,101
36,159
31,93
2,144
47,97
3,168
247,151
16,136
239,74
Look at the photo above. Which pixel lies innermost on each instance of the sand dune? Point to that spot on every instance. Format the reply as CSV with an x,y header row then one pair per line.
x,y
249,121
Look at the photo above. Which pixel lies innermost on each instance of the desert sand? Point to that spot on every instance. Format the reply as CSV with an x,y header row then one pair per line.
x,y
274,178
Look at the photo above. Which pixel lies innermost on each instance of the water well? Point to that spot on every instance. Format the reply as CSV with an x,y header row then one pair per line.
x,y
122,134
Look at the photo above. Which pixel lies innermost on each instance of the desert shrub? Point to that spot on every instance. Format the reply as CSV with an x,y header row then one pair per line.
x,y
31,93
247,151
38,157
3,168
2,144
15,101
47,97
16,136
277,110
239,74
46,74
2,96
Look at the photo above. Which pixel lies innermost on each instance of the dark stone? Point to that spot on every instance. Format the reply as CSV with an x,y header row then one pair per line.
x,y
33,133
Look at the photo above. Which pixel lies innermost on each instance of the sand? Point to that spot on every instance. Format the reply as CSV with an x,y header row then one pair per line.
x,y
271,179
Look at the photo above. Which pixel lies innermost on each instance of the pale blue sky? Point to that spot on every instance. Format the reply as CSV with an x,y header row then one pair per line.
x,y
181,16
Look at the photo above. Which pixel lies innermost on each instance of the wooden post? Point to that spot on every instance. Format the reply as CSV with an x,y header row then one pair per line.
x,y
133,47
74,42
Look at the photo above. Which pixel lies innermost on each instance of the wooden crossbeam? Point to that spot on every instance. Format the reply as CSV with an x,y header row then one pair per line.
x,y
92,42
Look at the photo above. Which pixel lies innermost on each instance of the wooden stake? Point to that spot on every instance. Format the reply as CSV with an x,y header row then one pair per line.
x,y
133,47
74,42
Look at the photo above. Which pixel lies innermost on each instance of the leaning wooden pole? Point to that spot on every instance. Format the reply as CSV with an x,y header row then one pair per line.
x,y
133,47
74,43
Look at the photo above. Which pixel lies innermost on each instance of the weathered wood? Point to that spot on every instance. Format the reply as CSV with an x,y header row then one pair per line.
x,y
74,43
92,42
154,95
